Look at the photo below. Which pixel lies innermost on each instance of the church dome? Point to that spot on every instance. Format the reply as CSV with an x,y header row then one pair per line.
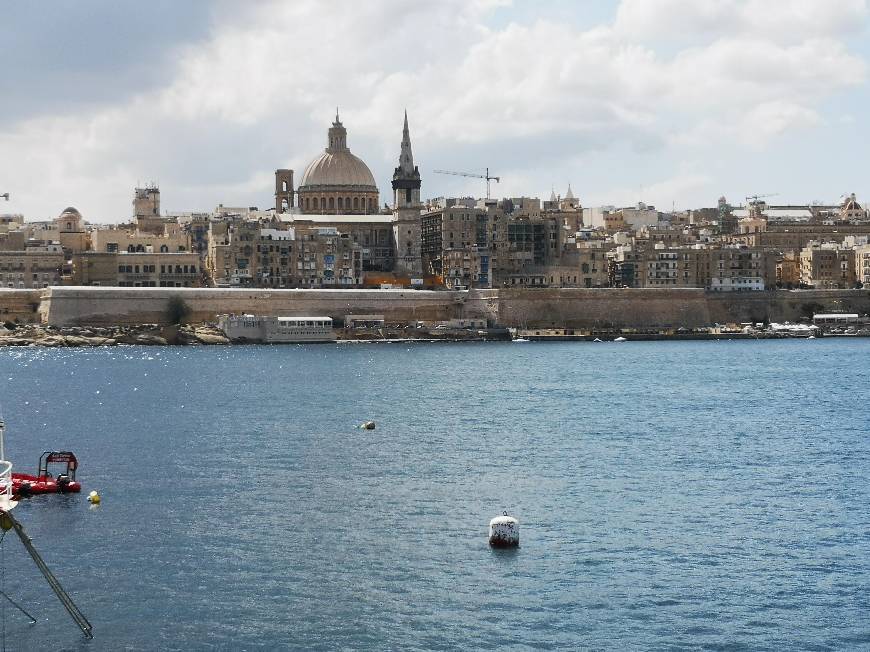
x,y
339,168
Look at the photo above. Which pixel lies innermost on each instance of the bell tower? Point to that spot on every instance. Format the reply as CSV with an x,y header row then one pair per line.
x,y
407,220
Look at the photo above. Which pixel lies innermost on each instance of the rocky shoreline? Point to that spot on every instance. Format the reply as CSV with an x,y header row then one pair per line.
x,y
146,334
208,334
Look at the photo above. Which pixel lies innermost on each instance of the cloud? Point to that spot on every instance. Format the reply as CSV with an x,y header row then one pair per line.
x,y
536,101
781,22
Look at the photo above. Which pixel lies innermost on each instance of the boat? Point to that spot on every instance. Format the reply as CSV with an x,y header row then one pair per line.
x,y
620,339
8,500
276,330
44,482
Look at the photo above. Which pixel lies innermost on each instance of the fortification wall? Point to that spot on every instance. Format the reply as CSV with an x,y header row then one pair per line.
x,y
521,308
67,306
652,308
602,308
784,305
19,305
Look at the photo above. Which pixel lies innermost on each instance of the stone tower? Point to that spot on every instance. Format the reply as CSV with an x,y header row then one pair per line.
x,y
283,190
407,220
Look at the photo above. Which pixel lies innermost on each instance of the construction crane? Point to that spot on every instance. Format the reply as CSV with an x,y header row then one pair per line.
x,y
753,199
475,176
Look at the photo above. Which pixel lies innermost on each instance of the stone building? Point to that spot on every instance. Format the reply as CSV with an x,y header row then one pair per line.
x,y
35,267
466,268
92,268
851,210
827,265
317,257
159,270
451,228
69,230
247,253
862,265
230,260
520,243
373,233
737,268
123,269
115,239
146,210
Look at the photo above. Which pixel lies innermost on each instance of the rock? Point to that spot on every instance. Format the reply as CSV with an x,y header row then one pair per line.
x,y
209,338
150,339
75,340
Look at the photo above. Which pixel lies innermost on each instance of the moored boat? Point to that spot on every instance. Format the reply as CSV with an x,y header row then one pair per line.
x,y
44,482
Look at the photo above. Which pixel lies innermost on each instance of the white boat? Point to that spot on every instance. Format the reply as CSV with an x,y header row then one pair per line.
x,y
520,339
6,500
276,330
620,339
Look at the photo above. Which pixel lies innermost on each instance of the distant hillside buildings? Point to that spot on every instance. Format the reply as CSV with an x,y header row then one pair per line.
x,y
330,231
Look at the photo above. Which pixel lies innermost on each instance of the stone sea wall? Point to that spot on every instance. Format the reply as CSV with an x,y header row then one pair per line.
x,y
66,306
521,308
654,308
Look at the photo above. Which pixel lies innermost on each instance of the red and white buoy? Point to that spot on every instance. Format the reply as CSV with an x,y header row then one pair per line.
x,y
504,532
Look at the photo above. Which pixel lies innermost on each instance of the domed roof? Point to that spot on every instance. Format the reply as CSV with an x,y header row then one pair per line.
x,y
337,166
69,210
337,169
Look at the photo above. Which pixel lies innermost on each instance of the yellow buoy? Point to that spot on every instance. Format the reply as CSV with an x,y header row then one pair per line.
x,y
94,498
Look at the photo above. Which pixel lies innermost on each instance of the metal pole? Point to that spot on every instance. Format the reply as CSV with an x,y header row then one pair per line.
x,y
62,595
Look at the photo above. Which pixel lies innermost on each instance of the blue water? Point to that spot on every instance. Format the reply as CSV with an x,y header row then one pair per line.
x,y
671,495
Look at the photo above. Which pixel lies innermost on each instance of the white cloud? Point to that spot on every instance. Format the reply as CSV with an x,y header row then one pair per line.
x,y
772,20
667,76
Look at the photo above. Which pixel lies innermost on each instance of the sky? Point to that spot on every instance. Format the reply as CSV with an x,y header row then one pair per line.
x,y
670,102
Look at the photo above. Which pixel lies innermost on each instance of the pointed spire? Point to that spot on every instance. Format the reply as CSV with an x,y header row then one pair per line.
x,y
337,121
570,194
406,156
552,194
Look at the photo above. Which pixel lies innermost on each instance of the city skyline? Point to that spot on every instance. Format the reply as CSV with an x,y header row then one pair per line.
x,y
661,101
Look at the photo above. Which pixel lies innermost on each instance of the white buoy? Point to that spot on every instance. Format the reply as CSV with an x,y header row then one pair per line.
x,y
504,532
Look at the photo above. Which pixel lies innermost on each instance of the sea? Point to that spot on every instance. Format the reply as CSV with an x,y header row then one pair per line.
x,y
670,496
